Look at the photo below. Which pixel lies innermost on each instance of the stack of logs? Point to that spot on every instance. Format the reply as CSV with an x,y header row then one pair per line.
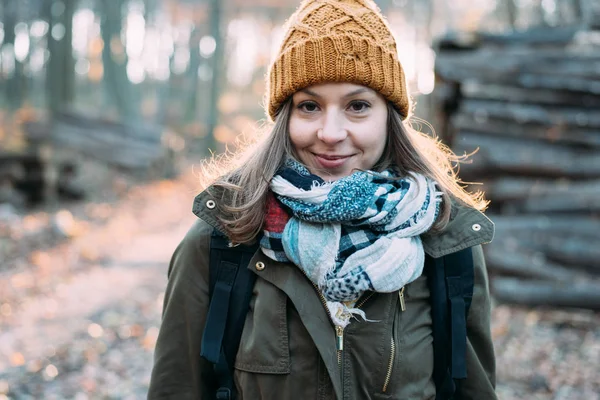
x,y
530,104
46,168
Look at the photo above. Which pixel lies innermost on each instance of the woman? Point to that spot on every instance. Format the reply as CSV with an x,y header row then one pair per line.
x,y
346,201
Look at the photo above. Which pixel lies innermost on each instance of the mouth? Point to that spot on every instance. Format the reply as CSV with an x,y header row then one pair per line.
x,y
331,160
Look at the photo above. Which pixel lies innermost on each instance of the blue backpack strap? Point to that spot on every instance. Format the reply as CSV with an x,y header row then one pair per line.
x,y
451,282
231,285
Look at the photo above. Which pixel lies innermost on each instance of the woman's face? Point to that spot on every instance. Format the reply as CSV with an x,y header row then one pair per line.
x,y
338,127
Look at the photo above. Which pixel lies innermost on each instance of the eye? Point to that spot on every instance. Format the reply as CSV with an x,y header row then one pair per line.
x,y
308,106
359,106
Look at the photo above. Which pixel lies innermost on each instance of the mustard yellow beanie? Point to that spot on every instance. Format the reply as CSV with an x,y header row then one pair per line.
x,y
337,41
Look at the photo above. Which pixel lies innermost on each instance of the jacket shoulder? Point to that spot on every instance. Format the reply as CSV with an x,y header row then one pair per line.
x,y
198,232
193,250
468,227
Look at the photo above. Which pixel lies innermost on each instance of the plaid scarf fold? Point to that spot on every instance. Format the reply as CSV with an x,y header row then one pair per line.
x,y
355,234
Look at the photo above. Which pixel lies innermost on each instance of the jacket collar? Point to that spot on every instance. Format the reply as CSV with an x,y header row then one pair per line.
x,y
467,227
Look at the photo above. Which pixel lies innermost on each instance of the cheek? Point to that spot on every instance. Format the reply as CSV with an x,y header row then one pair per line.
x,y
300,135
378,135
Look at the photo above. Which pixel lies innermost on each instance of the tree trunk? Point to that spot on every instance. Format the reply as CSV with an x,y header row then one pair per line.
x,y
216,67
191,112
60,73
511,13
115,64
16,86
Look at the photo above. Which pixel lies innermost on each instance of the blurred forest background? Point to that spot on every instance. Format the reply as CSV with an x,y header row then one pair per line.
x,y
107,107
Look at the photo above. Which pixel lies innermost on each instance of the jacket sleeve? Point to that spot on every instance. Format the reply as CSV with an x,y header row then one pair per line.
x,y
481,361
179,372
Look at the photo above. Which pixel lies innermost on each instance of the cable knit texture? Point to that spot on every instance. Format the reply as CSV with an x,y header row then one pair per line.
x,y
337,41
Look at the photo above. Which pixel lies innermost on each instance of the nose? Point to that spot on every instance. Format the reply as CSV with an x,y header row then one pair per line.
x,y
333,130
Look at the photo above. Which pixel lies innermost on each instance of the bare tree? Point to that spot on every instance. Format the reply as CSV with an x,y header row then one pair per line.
x,y
114,60
60,73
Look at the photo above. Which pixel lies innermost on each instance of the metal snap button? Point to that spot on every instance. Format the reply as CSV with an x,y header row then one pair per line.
x,y
211,204
476,227
260,266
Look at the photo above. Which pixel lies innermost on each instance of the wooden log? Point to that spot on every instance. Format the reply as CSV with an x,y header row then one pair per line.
x,y
531,113
517,226
564,203
485,124
123,145
524,157
108,146
560,71
535,195
576,56
90,125
560,81
572,250
553,294
556,36
515,94
514,188
520,262
583,85
518,63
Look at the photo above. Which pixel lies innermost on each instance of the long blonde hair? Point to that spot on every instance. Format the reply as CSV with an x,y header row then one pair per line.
x,y
241,179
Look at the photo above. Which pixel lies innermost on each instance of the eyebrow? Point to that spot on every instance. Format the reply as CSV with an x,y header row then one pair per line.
x,y
352,93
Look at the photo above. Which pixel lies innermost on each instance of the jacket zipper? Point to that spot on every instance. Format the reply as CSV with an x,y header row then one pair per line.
x,y
388,376
339,331
401,296
339,334
362,302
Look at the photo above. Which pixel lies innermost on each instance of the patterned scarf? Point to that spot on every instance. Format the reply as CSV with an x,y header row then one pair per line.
x,y
355,234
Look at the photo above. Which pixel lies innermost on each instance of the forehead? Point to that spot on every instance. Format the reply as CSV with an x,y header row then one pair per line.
x,y
335,89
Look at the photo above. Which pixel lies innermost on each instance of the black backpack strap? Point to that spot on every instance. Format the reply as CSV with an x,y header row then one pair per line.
x,y
460,280
231,285
451,281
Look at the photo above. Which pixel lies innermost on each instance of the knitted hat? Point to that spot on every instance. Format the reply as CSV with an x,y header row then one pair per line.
x,y
337,41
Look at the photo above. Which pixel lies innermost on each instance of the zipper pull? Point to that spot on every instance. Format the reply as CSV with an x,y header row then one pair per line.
x,y
402,303
339,333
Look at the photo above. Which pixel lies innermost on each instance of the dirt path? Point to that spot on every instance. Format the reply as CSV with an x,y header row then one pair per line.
x,y
80,319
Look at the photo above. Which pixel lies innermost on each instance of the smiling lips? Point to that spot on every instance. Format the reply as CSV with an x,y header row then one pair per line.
x,y
331,161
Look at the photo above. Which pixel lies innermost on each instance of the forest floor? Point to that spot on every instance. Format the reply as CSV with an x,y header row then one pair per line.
x,y
81,290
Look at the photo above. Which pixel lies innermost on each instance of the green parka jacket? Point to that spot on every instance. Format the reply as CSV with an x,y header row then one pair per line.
x,y
288,345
